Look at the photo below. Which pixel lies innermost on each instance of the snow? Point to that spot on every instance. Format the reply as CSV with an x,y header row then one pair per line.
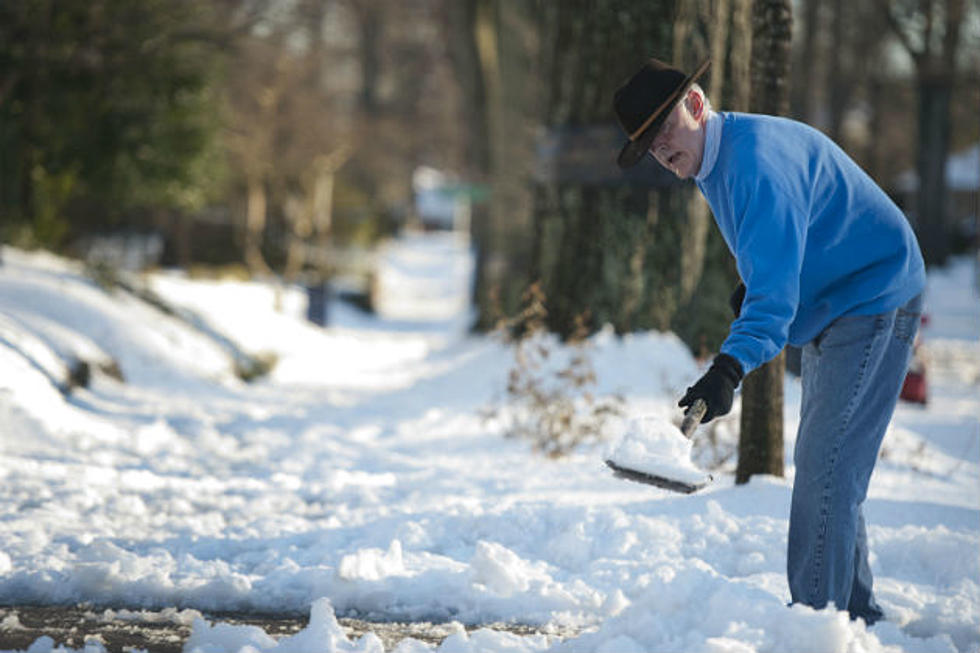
x,y
962,172
656,447
362,477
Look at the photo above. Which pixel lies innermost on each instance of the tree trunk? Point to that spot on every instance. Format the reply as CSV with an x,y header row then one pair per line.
x,y
721,11
935,91
695,237
321,201
469,75
371,28
255,228
463,16
837,72
760,448
489,225
876,109
772,23
298,217
803,91
741,59
935,56
605,249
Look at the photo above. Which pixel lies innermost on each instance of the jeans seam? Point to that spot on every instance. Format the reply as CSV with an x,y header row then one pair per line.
x,y
832,467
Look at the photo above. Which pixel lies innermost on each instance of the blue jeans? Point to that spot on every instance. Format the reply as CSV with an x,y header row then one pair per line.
x,y
852,374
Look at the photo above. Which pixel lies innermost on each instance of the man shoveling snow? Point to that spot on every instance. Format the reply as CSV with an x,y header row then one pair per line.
x,y
828,263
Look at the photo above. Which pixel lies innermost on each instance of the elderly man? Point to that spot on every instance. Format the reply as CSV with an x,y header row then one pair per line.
x,y
828,263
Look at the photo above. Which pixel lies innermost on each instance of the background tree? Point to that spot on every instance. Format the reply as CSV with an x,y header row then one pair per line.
x,y
472,39
104,106
336,104
760,448
405,112
615,245
252,105
312,143
855,79
493,46
716,15
930,32
307,119
608,248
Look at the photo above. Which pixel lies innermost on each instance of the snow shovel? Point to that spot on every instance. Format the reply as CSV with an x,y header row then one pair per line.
x,y
670,468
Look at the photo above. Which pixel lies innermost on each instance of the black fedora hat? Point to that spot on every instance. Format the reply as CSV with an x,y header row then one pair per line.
x,y
643,103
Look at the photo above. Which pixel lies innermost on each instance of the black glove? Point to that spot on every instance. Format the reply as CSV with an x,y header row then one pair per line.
x,y
738,296
716,387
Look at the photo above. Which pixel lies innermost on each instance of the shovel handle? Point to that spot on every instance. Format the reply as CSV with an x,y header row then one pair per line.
x,y
693,417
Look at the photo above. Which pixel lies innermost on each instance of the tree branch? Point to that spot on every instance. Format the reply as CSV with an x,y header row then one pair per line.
x,y
896,27
951,37
925,8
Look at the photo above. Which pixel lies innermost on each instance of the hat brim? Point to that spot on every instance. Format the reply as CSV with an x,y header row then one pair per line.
x,y
634,150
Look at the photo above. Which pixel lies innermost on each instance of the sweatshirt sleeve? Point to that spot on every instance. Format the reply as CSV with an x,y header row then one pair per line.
x,y
770,237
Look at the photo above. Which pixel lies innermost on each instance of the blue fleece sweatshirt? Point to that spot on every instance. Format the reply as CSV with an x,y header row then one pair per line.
x,y
814,238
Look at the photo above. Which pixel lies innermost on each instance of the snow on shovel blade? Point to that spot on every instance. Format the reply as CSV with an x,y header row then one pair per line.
x,y
655,452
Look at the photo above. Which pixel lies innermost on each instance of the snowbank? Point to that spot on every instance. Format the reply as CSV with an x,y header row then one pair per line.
x,y
362,479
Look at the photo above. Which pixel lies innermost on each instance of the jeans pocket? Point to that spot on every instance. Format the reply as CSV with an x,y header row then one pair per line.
x,y
907,320
906,325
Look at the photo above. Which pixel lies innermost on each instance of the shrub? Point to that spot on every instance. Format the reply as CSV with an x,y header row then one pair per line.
x,y
550,387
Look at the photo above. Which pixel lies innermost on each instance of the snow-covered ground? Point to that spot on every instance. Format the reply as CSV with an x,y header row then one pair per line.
x,y
362,477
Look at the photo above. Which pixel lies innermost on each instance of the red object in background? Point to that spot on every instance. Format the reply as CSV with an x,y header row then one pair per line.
x,y
915,388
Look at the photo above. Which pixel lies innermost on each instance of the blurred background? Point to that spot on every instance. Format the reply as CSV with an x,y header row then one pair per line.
x,y
288,139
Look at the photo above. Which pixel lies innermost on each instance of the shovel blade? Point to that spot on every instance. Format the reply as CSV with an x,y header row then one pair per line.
x,y
672,484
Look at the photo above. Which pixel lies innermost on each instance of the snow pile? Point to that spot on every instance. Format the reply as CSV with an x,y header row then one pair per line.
x,y
361,478
322,634
153,349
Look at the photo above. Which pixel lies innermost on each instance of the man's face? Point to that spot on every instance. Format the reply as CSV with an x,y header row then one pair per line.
x,y
679,146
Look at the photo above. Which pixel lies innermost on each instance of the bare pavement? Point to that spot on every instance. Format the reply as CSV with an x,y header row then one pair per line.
x,y
124,631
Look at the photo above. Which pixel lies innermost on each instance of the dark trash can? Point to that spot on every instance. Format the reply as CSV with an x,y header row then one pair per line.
x,y
317,296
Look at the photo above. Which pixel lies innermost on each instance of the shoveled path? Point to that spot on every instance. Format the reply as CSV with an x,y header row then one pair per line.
x,y
122,632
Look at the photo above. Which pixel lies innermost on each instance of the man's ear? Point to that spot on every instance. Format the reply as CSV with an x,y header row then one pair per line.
x,y
695,104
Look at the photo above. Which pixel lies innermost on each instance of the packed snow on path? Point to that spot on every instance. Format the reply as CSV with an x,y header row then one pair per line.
x,y
362,477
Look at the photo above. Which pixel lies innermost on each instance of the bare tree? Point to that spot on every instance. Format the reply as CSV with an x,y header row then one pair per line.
x,y
741,59
760,449
286,138
252,99
930,32
805,67
313,145
472,49
491,45
688,52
